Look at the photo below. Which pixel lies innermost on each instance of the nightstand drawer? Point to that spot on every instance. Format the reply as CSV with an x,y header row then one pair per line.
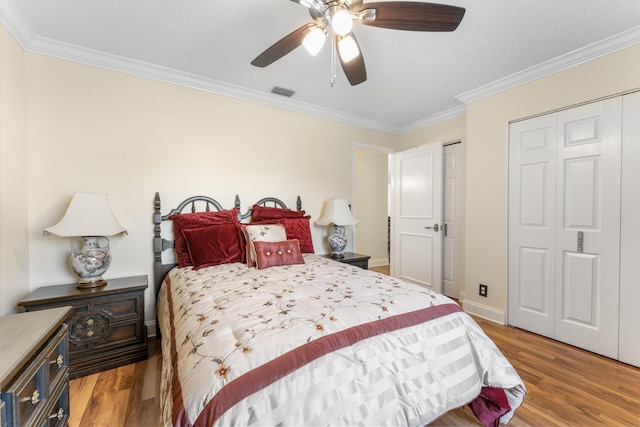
x,y
106,321
121,334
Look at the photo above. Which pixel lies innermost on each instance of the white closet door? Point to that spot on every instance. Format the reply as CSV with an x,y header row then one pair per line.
x,y
630,240
588,226
532,170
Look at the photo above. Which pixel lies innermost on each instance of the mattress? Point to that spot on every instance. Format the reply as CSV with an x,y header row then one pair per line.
x,y
322,343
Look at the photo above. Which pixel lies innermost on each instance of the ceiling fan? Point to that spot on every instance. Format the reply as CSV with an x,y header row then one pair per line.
x,y
338,16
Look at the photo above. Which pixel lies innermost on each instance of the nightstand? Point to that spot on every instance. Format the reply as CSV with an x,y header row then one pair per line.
x,y
351,258
106,328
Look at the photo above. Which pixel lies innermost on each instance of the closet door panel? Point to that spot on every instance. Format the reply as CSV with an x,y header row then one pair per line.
x,y
532,224
588,226
580,287
629,346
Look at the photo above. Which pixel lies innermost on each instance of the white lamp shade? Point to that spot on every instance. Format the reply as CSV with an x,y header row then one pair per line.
x,y
88,214
337,212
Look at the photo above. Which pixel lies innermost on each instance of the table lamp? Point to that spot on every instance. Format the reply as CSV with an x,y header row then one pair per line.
x,y
338,213
90,219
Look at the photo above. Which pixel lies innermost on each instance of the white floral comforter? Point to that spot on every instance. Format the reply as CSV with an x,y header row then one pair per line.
x,y
323,343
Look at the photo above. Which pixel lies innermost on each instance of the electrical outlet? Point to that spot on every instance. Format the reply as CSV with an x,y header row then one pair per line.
x,y
483,290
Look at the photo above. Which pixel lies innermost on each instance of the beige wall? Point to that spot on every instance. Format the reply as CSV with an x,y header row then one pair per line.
x,y
451,130
90,129
14,238
486,158
371,196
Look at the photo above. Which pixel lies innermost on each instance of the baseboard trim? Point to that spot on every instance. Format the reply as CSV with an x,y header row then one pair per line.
x,y
484,311
151,328
379,262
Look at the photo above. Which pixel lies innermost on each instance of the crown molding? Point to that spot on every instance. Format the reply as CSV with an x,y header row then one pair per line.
x,y
15,23
579,56
451,113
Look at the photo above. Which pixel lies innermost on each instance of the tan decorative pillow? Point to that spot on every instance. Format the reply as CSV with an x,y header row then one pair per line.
x,y
261,233
271,254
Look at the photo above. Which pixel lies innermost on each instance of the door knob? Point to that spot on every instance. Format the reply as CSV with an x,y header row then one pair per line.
x,y
435,227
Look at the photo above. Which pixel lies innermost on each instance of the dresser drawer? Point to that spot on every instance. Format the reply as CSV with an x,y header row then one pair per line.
x,y
26,396
57,413
57,358
31,392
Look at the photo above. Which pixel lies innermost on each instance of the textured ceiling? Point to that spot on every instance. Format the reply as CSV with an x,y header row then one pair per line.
x,y
412,76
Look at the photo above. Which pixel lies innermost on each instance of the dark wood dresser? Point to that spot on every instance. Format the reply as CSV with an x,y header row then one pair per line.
x,y
107,327
34,375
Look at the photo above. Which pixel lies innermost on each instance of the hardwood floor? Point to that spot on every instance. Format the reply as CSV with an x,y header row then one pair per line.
x,y
566,386
125,396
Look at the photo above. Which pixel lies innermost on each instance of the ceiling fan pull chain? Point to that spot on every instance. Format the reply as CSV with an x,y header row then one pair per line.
x,y
334,78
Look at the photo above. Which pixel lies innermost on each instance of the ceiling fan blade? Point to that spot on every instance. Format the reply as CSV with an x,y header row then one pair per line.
x,y
414,16
354,70
282,47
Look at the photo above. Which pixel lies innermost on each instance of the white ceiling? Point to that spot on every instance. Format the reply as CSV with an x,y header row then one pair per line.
x,y
414,78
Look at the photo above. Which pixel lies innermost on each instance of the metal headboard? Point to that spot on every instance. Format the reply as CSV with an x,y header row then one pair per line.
x,y
161,244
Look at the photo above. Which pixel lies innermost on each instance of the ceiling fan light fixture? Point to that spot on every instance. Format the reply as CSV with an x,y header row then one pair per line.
x,y
314,40
348,49
341,20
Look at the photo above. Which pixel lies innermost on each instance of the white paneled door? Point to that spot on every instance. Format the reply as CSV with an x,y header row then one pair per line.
x,y
564,225
532,224
588,226
417,216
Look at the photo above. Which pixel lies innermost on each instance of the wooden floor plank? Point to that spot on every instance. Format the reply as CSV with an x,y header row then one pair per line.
x,y
81,391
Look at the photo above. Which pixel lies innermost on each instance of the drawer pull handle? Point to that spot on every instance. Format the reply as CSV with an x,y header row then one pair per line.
x,y
90,322
58,415
59,361
90,333
35,398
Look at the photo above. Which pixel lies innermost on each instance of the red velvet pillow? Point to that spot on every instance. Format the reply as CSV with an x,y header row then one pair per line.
x,y
213,245
297,228
261,213
197,220
243,243
271,254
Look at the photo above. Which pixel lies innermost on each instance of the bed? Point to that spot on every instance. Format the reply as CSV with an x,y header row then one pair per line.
x,y
259,330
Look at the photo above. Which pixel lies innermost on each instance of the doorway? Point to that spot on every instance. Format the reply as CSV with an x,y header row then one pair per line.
x,y
371,163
